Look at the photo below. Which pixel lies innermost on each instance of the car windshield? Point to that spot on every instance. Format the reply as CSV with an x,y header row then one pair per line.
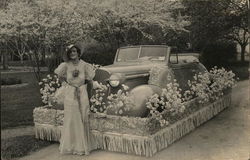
x,y
146,53
128,54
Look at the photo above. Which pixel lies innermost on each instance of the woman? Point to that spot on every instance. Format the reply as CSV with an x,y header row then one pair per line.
x,y
74,72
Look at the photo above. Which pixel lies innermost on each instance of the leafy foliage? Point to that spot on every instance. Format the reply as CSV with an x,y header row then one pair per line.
x,y
223,51
41,28
10,81
213,20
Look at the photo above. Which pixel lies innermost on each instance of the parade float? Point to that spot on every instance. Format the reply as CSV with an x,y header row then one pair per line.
x,y
149,98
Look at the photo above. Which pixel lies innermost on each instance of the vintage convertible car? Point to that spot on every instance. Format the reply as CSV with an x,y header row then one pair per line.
x,y
145,69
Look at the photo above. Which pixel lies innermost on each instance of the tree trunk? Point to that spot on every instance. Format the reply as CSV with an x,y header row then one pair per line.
x,y
35,64
21,58
242,53
5,61
5,58
38,72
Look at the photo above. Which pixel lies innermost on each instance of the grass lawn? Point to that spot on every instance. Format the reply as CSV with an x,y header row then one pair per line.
x,y
20,146
17,104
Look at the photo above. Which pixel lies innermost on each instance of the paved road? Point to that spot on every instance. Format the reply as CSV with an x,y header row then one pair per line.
x,y
225,137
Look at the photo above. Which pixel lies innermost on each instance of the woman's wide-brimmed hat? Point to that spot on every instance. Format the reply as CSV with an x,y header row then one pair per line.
x,y
69,47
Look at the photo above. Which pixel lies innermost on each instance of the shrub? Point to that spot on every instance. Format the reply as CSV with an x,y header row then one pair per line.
x,y
98,54
10,81
218,54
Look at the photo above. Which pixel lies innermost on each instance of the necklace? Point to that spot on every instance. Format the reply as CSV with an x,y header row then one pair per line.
x,y
75,71
76,62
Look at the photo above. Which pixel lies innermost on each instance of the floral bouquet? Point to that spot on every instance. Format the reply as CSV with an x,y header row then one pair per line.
x,y
49,86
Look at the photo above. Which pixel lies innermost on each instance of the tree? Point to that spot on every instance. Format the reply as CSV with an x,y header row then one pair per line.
x,y
4,53
23,30
40,27
213,20
113,21
238,16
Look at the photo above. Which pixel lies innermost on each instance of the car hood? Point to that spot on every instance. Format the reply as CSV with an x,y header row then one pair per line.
x,y
131,68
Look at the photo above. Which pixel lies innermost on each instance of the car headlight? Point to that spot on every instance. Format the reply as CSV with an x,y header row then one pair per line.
x,y
116,79
114,83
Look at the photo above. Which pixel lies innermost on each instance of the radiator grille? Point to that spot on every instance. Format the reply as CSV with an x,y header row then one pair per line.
x,y
101,75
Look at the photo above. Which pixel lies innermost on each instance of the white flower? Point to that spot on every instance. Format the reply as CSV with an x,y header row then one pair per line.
x,y
120,111
125,87
44,80
119,92
120,104
101,110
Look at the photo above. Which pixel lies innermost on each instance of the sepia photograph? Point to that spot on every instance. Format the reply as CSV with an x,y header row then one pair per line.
x,y
125,79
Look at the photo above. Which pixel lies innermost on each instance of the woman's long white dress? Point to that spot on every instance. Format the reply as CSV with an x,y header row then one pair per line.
x,y
75,138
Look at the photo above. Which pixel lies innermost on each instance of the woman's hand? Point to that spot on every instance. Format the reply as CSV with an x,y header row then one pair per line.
x,y
62,79
96,85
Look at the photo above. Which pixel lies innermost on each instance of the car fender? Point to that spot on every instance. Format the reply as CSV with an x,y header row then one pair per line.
x,y
140,96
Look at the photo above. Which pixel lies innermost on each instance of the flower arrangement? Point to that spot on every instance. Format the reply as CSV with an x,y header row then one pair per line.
x,y
199,87
49,85
170,101
207,86
119,102
210,85
98,103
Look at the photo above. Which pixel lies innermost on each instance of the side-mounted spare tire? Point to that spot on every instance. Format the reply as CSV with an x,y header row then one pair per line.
x,y
161,76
